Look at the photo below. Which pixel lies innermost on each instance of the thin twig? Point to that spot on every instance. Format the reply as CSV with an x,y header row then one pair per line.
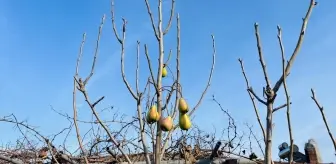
x,y
320,107
113,22
252,99
172,9
96,51
210,75
150,68
256,96
139,109
152,20
280,107
256,139
137,68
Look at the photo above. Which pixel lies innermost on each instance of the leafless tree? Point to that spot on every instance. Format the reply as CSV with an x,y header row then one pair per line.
x,y
159,33
269,92
103,142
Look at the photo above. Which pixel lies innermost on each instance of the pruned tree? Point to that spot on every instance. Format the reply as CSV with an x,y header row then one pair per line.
x,y
161,103
269,91
157,139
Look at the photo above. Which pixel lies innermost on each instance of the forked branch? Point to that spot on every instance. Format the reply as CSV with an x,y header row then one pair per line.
x,y
81,86
122,43
270,92
296,51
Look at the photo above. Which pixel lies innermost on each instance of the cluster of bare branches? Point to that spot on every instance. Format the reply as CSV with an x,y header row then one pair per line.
x,y
190,146
270,93
103,142
158,139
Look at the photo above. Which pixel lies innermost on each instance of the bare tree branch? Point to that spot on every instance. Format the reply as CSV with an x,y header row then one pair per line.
x,y
82,87
152,20
290,158
256,139
74,100
114,24
210,75
256,96
122,43
139,109
172,9
280,107
261,57
252,99
320,107
298,44
150,68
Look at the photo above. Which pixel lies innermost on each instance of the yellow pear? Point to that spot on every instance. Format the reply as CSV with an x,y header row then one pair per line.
x,y
164,71
166,124
184,122
153,115
183,106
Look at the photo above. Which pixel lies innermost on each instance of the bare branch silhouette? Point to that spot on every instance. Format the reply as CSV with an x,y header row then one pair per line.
x,y
290,158
320,107
270,93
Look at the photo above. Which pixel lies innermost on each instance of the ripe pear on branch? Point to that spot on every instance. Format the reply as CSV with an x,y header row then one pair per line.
x,y
164,71
153,115
166,124
184,122
183,106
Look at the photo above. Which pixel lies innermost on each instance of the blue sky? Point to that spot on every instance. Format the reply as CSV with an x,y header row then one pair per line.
x,y
40,39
